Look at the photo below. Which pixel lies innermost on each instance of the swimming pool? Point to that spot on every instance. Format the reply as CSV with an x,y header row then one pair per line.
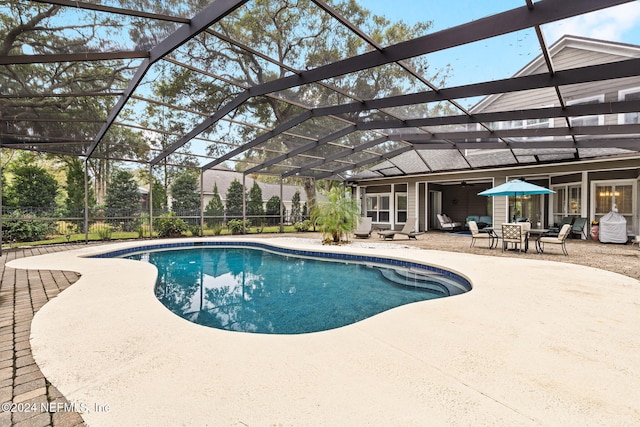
x,y
262,289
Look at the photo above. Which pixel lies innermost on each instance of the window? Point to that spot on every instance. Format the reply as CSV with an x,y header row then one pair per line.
x,y
587,120
401,207
526,207
528,124
629,95
567,201
618,194
378,207
608,196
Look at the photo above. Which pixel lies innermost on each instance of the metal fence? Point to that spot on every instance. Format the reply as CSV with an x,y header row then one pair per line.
x,y
26,224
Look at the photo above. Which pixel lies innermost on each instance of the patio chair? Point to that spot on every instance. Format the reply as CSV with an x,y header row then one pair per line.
x,y
447,224
555,230
559,240
477,235
516,234
364,228
578,228
407,230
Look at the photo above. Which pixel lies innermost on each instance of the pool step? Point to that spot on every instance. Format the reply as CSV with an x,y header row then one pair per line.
x,y
414,280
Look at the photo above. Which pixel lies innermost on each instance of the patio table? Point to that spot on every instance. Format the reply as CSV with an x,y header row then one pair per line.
x,y
538,232
494,236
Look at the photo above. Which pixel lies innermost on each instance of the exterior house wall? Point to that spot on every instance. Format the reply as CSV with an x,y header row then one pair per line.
x,y
552,174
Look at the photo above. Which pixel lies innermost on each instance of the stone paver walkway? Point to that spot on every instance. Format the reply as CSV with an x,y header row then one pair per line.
x,y
26,396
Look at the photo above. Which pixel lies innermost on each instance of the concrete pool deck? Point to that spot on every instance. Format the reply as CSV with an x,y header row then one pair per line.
x,y
535,342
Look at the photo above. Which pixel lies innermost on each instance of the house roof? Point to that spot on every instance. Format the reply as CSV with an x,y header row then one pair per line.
x,y
519,150
190,80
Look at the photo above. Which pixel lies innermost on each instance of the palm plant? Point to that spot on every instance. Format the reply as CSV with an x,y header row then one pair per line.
x,y
337,215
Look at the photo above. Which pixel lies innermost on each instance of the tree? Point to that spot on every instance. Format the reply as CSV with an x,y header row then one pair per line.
x,y
74,202
298,33
234,200
120,143
214,208
75,188
123,201
185,199
255,205
44,29
6,196
337,215
273,210
173,122
296,213
159,197
32,187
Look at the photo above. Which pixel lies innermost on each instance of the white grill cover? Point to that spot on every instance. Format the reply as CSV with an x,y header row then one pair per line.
x,y
613,228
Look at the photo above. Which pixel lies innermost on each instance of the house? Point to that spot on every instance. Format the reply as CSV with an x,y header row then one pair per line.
x,y
588,181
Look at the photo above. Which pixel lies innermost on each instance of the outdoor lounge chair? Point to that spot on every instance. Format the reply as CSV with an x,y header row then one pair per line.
x,y
477,235
408,230
364,228
578,228
560,240
447,224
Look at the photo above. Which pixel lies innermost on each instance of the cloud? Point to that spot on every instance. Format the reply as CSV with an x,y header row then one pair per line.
x,y
609,24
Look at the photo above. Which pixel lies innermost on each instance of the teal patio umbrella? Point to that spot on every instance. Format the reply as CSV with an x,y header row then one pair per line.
x,y
515,188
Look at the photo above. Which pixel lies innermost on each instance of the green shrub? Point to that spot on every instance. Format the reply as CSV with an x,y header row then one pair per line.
x,y
170,226
301,226
237,226
195,230
105,232
27,229
217,230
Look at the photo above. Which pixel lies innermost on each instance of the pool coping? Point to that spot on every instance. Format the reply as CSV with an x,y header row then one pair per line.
x,y
559,344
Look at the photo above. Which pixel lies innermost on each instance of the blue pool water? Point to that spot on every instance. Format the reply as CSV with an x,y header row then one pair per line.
x,y
256,290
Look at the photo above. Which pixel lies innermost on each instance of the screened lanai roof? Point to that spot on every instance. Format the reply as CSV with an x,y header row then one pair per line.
x,y
311,88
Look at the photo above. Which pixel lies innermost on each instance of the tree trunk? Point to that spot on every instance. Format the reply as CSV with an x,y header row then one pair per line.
x,y
310,191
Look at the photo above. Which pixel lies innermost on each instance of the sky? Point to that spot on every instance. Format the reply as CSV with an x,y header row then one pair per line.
x,y
508,53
